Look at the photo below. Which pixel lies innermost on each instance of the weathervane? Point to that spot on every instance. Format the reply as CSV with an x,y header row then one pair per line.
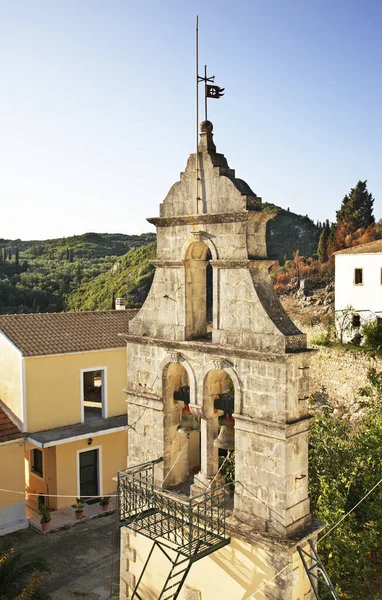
x,y
210,91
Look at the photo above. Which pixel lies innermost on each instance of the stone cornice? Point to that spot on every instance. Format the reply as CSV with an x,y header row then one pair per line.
x,y
272,429
196,219
241,529
255,263
168,263
216,349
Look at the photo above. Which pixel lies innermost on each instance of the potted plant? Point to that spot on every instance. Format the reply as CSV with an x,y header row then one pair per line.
x,y
79,508
104,502
45,517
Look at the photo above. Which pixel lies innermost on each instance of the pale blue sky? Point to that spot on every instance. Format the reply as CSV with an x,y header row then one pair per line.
x,y
97,109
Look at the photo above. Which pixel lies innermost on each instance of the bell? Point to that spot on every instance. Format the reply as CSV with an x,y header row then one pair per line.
x,y
226,437
188,422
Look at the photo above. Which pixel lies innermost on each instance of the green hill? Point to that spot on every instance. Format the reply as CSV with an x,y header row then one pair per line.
x,y
40,276
130,278
288,232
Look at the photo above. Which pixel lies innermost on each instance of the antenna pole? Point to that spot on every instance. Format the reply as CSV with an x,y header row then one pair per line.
x,y
205,92
197,113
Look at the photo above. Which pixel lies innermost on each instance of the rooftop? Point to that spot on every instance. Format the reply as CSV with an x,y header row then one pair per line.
x,y
39,334
8,430
369,248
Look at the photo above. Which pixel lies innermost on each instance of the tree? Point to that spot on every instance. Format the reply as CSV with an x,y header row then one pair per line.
x,y
297,263
323,245
21,575
17,257
356,212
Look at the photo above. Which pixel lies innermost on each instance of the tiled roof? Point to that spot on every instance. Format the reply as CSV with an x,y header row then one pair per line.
x,y
8,430
369,248
39,334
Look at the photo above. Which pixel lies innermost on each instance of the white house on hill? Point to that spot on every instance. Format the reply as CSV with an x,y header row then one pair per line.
x,y
358,283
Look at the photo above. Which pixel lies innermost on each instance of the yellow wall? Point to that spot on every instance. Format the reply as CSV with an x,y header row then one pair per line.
x,y
60,467
10,384
114,452
235,571
45,485
53,387
12,472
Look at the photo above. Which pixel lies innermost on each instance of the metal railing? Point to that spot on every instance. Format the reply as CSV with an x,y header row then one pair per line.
x,y
192,526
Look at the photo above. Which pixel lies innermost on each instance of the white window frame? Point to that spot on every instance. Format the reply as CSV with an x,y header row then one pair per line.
x,y
100,482
104,391
31,471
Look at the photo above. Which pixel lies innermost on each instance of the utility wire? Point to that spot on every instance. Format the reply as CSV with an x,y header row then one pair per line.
x,y
350,511
320,540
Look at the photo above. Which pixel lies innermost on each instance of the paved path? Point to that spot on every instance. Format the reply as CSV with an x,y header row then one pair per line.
x,y
80,558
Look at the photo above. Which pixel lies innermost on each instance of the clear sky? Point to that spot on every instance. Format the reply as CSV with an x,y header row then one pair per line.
x,y
97,105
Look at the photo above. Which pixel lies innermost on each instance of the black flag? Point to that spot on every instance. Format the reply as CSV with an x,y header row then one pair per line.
x,y
214,91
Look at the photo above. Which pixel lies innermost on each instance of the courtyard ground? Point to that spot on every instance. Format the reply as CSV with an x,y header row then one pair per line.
x,y
80,558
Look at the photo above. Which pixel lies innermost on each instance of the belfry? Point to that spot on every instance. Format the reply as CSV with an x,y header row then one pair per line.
x,y
217,377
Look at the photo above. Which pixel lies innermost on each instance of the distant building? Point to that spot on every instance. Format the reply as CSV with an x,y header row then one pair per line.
x,y
62,379
358,286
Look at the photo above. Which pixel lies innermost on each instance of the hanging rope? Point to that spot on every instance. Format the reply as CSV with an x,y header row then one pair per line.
x,y
173,465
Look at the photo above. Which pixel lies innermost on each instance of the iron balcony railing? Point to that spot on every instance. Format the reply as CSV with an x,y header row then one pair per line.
x,y
193,527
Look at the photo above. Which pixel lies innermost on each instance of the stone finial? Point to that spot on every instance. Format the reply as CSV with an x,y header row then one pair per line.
x,y
206,143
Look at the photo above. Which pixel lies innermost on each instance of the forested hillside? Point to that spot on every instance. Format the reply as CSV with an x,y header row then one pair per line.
x,y
288,232
130,278
40,276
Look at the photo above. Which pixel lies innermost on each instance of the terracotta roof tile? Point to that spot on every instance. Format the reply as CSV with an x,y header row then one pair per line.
x,y
8,430
369,248
39,334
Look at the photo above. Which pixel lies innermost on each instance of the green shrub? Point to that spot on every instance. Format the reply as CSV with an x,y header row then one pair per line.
x,y
345,459
372,334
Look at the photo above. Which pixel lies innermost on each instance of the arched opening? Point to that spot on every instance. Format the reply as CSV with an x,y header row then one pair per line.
x,y
219,395
181,429
199,291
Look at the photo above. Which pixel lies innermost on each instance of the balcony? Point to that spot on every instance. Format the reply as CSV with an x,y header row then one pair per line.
x,y
193,527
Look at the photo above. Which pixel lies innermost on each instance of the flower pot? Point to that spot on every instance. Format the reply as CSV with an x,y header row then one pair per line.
x,y
105,506
45,526
79,514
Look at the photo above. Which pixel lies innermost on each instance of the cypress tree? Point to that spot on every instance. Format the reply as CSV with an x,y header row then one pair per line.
x,y
322,250
17,257
356,212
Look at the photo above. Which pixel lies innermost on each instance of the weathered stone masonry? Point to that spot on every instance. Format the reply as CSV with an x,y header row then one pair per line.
x,y
252,342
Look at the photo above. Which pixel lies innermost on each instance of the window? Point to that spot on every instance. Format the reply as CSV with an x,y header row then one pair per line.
x,y
358,276
36,462
93,383
356,321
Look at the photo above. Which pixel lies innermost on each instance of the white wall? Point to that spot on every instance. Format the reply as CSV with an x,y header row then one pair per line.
x,y
368,296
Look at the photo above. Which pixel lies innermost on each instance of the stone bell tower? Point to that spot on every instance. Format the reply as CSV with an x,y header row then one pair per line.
x,y
212,323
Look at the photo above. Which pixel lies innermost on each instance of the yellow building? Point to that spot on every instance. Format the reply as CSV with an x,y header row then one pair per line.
x,y
62,378
12,505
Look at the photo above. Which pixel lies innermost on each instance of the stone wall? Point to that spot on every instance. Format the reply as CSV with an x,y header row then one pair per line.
x,y
337,375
